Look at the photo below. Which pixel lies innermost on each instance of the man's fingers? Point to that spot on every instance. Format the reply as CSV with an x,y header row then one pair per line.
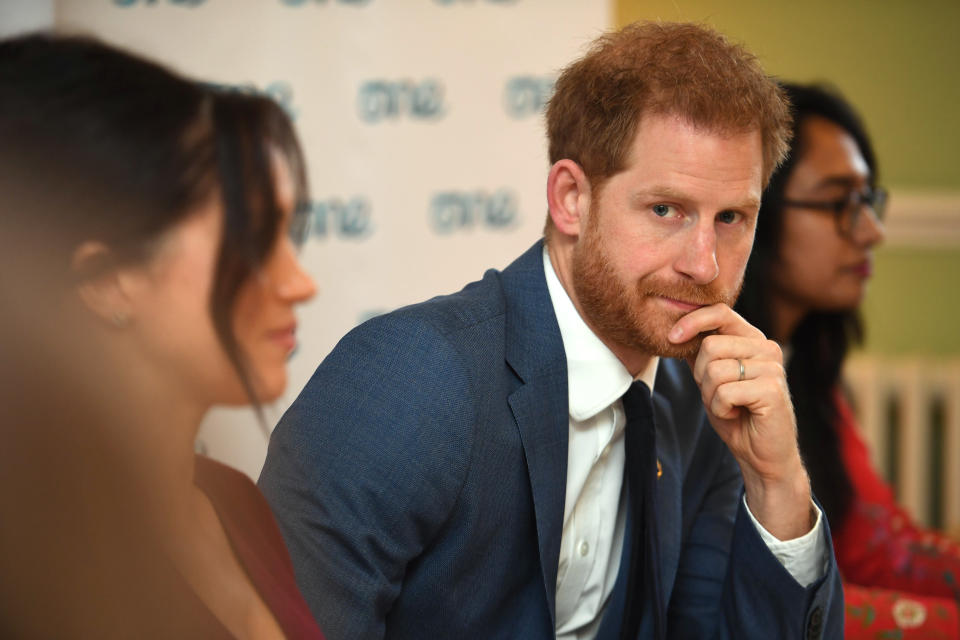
x,y
717,348
717,317
728,398
719,373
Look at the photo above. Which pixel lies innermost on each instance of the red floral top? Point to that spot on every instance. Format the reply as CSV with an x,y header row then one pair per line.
x,y
901,581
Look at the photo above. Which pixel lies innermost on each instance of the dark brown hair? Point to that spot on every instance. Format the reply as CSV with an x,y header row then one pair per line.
x,y
102,145
822,339
248,129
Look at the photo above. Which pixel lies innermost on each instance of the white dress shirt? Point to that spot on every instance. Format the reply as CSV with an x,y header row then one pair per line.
x,y
594,514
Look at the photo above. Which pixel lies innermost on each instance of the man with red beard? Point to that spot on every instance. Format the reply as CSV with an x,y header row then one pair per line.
x,y
494,463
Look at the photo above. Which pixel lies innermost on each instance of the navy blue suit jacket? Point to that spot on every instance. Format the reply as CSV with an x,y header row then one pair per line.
x,y
419,482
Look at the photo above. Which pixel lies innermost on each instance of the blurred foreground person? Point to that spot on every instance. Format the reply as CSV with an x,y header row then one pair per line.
x,y
821,217
588,443
148,273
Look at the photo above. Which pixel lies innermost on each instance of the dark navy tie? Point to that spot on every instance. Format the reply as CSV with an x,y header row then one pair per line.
x,y
643,585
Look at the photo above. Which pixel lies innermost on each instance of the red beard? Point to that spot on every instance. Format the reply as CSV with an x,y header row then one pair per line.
x,y
632,317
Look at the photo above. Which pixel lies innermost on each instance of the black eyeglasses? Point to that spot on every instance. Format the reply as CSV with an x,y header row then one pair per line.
x,y
847,210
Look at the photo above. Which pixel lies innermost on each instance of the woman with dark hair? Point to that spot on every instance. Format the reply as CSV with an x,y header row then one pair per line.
x,y
821,217
148,243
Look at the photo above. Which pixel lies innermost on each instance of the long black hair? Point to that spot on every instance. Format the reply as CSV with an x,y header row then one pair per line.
x,y
99,144
821,340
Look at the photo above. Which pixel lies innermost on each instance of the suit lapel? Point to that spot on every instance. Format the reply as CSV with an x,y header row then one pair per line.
x,y
534,350
545,449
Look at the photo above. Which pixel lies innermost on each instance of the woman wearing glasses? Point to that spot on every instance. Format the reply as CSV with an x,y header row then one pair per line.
x,y
821,217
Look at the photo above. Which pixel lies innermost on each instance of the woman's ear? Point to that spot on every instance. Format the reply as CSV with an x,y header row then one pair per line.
x,y
100,284
568,195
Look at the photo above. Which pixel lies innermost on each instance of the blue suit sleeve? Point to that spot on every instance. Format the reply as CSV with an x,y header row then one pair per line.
x,y
760,594
731,586
366,465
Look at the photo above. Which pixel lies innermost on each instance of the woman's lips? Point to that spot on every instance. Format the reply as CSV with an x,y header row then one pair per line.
x,y
286,337
864,269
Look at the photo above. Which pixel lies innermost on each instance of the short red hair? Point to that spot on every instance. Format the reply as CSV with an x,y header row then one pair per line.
x,y
664,68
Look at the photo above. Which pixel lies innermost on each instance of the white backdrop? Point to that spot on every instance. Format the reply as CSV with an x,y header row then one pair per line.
x,y
19,16
422,126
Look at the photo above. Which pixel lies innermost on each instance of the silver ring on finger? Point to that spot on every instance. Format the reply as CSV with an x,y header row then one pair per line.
x,y
743,370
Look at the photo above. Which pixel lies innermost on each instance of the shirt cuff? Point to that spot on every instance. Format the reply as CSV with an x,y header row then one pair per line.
x,y
805,558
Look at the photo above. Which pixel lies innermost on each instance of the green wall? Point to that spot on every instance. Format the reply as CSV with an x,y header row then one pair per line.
x,y
897,62
913,303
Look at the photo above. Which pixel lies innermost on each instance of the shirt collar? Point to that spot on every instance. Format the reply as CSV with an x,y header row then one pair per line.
x,y
595,376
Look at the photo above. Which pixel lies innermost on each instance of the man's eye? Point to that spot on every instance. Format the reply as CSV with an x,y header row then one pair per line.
x,y
664,210
728,217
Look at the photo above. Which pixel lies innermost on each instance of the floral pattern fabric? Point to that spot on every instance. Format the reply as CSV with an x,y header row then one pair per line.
x,y
900,581
883,614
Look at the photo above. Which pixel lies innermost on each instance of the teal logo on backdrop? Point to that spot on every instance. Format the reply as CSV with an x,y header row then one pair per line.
x,y
527,95
280,91
452,211
344,218
300,3
450,2
380,100
148,3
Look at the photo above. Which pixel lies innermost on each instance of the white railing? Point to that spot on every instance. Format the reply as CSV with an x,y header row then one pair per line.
x,y
900,404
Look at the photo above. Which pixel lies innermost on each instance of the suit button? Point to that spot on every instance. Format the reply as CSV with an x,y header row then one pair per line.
x,y
815,624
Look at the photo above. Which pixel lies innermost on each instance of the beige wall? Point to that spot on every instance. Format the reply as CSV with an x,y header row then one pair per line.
x,y
896,61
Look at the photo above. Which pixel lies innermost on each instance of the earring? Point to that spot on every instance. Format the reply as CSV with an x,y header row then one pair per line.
x,y
120,319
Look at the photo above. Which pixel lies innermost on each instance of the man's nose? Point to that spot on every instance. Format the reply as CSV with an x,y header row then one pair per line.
x,y
698,255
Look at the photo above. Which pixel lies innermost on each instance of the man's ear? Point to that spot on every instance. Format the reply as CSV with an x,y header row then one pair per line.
x,y
100,284
568,195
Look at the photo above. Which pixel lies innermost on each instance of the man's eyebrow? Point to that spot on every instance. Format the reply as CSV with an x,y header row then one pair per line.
x,y
750,204
655,192
667,192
